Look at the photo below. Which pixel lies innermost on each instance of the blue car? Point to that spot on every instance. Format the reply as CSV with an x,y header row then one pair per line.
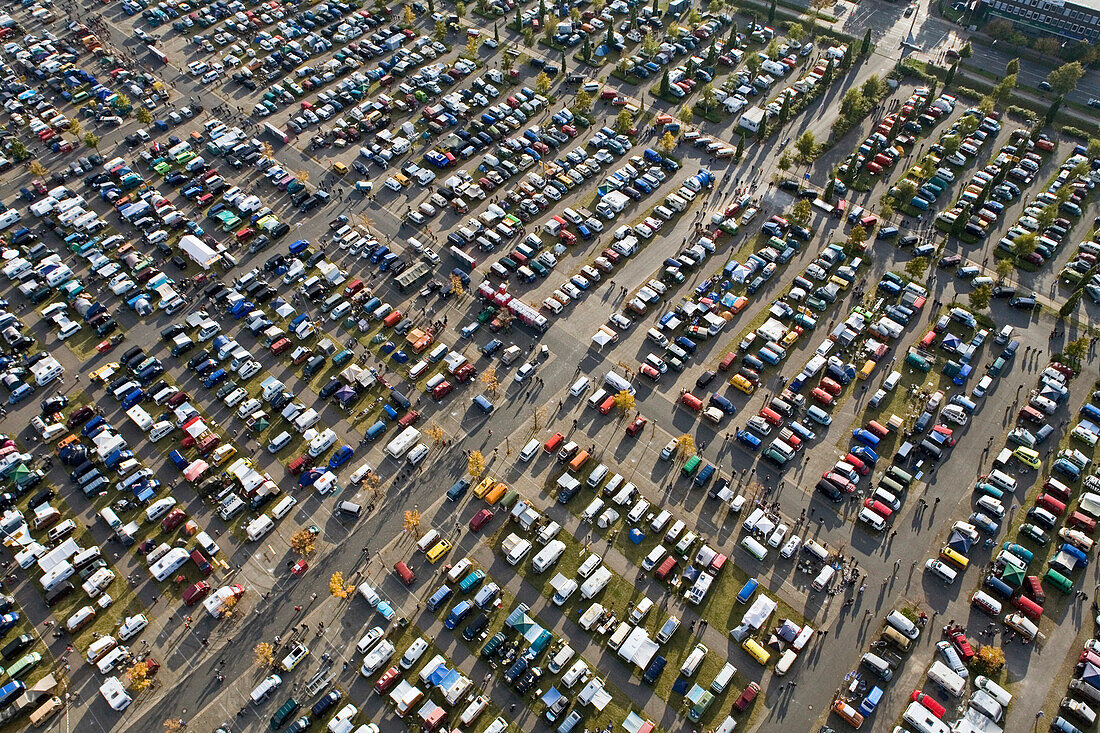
x,y
20,393
7,621
340,457
309,478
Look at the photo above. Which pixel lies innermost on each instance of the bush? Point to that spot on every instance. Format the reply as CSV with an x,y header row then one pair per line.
x,y
1021,113
968,92
1076,132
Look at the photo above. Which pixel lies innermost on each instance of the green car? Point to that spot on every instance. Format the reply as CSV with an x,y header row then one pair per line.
x,y
162,168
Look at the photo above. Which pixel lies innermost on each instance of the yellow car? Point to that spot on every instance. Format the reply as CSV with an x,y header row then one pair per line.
x,y
104,373
339,168
441,548
1027,456
742,384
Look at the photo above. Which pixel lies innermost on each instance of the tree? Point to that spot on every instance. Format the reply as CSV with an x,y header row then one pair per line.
x,y
409,16
874,88
685,446
667,143
75,127
440,33
1047,46
137,676
1004,268
740,146
966,51
37,168
709,95
773,49
143,116
19,150
662,88
1063,80
586,50
1077,349
796,32
471,46
496,32
302,543
857,235
489,379
1024,244
436,434
542,83
865,47
990,658
431,6
784,163
91,140
624,401
753,62
906,189
830,187
460,9
122,102
483,7
806,146
1052,111
801,213
173,725
411,522
656,7
916,267
457,286
1003,90
264,654
649,44
771,12
583,102
1012,67
302,175
979,297
337,587
624,121
685,114
475,465
950,75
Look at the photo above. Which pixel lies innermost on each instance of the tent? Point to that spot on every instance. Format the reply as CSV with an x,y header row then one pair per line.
x,y
1013,575
1090,674
524,624
439,675
594,694
951,342
636,536
635,723
603,337
345,394
960,542
195,470
550,697
761,609
788,631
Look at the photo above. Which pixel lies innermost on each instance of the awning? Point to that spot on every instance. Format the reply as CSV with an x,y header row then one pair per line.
x,y
1013,575
552,696
594,694
960,542
635,723
438,675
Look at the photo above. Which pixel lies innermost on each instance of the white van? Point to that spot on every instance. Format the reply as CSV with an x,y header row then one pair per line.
x,y
473,710
429,539
529,450
754,548
283,507
694,660
891,381
111,658
57,575
99,648
785,661
580,386
723,678
263,690
824,578
947,679
548,556
172,561
259,527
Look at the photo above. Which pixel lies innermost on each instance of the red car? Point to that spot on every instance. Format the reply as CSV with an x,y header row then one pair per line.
x,y
174,519
481,519
80,415
636,427
962,646
196,593
388,679
465,373
927,701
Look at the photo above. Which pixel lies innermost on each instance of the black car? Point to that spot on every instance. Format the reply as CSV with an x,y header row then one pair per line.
x,y
705,378
170,332
301,724
475,627
197,359
14,648
1024,303
54,404
325,703
1004,291
528,680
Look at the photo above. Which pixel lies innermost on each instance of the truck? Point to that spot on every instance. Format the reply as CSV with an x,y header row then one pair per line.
x,y
400,445
412,275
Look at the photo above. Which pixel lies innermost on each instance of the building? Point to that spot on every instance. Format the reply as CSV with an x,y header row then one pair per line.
x,y
1069,20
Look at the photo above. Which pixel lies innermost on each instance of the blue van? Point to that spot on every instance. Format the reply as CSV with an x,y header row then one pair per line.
x,y
704,476
752,363
1067,468
391,411
574,717
458,489
178,460
767,355
747,590
483,404
870,703
686,344
1090,411
722,404
132,398
92,424
215,377
375,430
747,439
866,437
454,618
653,671
440,597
